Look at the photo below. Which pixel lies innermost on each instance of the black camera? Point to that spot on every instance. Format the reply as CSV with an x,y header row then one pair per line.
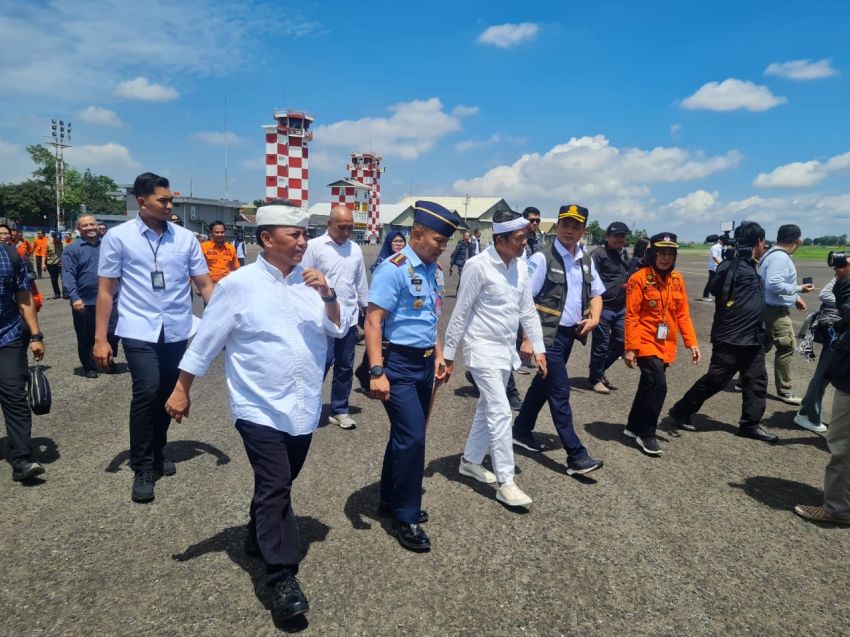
x,y
836,259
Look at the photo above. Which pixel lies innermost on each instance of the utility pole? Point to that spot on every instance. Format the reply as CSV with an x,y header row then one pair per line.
x,y
60,139
465,208
225,148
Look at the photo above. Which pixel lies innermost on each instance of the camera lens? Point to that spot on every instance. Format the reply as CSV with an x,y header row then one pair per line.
x,y
836,259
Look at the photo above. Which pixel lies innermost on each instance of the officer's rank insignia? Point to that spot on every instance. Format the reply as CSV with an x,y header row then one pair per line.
x,y
398,259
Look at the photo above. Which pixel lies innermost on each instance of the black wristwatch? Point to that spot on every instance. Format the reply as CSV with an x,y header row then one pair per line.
x,y
376,371
38,336
331,298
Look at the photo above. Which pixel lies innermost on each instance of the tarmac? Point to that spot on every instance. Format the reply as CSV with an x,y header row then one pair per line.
x,y
700,541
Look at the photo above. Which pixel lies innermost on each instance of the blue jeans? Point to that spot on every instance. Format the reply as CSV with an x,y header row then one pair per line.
x,y
555,389
411,383
608,341
341,356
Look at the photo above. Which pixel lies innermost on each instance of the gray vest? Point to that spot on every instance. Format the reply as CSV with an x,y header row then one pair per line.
x,y
552,296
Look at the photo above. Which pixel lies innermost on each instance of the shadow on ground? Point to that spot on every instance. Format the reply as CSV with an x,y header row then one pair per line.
x,y
778,493
231,541
177,451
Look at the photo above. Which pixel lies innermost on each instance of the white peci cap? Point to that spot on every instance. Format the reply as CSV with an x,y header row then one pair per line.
x,y
277,215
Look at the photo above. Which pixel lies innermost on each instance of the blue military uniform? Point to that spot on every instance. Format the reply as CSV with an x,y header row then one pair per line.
x,y
410,291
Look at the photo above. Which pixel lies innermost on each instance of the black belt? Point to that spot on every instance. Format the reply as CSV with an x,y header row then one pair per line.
x,y
411,352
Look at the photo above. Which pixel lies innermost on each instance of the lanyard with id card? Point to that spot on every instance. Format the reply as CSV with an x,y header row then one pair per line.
x,y
663,328
157,275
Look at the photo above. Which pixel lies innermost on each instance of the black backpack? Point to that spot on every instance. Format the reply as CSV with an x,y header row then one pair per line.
x,y
38,391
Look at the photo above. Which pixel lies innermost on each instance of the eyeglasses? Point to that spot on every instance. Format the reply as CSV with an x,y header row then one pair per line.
x,y
534,221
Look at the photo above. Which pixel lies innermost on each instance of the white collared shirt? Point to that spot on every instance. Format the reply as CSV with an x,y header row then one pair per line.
x,y
493,300
275,331
127,253
344,268
571,313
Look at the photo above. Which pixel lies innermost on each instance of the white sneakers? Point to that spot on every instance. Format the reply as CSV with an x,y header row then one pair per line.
x,y
343,420
512,495
476,471
803,421
508,493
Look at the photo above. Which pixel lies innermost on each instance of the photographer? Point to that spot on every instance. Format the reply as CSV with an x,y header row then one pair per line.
x,y
737,336
836,484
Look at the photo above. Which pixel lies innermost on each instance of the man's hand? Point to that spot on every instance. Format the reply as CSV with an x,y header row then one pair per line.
x,y
806,288
102,353
630,358
696,357
449,370
177,405
451,271
801,304
78,306
526,352
541,365
380,388
441,374
587,325
314,278
37,348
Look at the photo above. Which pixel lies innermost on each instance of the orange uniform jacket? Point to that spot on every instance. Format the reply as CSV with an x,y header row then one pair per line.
x,y
221,261
647,296
40,246
24,248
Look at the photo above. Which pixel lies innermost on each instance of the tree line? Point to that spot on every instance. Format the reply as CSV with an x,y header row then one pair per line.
x,y
32,202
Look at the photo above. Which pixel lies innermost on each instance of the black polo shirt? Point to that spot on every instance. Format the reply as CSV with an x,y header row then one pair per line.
x,y
741,323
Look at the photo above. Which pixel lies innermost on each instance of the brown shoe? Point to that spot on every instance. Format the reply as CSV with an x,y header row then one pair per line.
x,y
818,514
601,388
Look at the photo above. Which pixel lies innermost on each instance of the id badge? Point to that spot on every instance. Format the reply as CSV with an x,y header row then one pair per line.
x,y
661,331
158,280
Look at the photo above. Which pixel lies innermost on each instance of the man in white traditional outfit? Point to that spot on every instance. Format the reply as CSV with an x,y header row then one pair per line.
x,y
273,318
493,300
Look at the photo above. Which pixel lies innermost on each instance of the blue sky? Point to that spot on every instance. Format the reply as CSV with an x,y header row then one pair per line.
x,y
666,115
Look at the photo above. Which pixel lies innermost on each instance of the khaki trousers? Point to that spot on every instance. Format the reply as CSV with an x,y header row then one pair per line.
x,y
780,334
836,483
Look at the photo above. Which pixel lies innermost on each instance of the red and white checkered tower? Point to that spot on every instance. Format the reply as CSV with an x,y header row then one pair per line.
x,y
366,168
287,157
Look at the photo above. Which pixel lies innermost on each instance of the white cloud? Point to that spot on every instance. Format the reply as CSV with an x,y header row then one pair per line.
x,y
86,47
676,131
695,206
463,111
591,171
802,174
412,129
141,88
507,35
731,95
494,139
802,69
216,138
100,116
109,157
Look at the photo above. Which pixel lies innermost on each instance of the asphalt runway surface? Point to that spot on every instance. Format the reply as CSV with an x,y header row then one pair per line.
x,y
701,541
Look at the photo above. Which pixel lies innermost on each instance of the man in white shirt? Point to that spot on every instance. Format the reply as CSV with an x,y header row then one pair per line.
x,y
715,257
567,293
273,318
154,260
341,261
493,299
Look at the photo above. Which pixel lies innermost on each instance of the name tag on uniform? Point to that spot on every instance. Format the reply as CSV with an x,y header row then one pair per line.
x,y
661,331
158,280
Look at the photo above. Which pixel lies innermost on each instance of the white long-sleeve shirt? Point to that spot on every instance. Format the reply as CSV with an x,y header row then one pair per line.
x,y
493,300
276,331
344,268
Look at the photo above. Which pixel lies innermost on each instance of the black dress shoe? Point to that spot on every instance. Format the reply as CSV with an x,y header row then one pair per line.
x,y
91,373
167,468
757,433
411,537
288,600
143,487
515,401
26,469
386,511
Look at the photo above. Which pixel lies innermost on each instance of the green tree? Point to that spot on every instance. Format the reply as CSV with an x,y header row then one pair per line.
x,y
807,241
594,233
29,202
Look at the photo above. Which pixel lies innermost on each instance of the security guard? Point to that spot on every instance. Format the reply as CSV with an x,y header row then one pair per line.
x,y
405,300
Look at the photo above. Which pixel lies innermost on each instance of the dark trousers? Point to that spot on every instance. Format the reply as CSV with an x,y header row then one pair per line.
x,y
54,269
650,395
705,291
812,404
555,389
341,356
608,340
153,368
411,384
276,458
84,323
13,399
39,265
726,361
